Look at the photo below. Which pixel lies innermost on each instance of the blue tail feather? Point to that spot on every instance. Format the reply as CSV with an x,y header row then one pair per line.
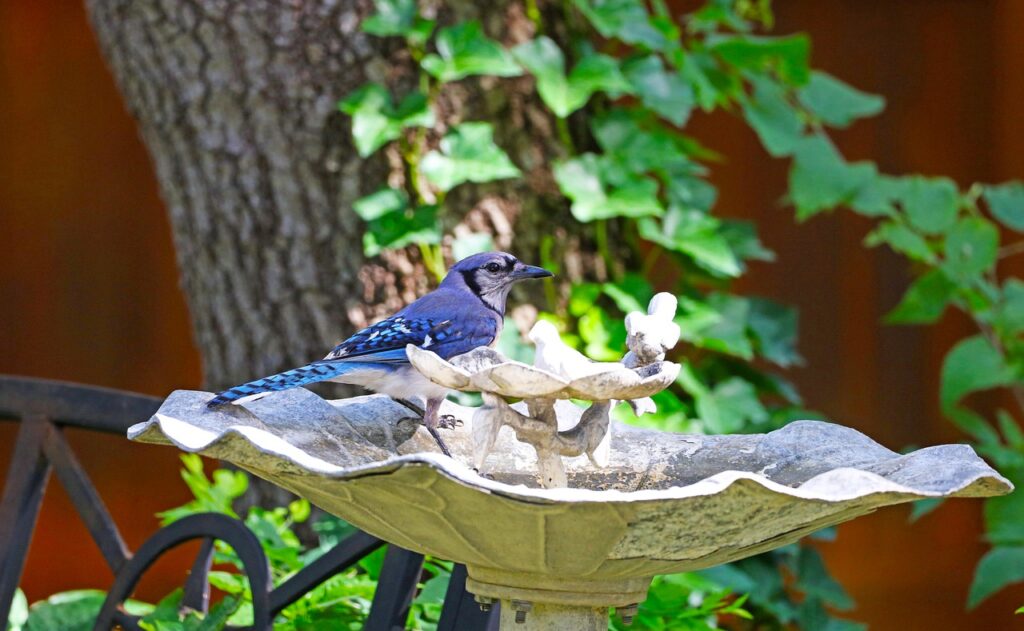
x,y
310,373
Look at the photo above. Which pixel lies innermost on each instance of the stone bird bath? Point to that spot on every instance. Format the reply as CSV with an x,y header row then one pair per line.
x,y
638,502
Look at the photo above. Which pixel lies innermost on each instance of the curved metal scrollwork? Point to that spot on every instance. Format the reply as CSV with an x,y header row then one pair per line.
x,y
43,408
206,526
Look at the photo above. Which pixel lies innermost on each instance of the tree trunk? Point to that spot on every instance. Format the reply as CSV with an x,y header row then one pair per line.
x,y
236,102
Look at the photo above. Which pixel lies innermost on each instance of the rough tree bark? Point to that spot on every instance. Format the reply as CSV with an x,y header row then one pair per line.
x,y
236,102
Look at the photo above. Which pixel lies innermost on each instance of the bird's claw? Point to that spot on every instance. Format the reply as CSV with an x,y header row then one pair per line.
x,y
447,421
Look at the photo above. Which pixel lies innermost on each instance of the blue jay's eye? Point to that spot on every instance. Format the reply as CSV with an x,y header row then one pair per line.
x,y
492,267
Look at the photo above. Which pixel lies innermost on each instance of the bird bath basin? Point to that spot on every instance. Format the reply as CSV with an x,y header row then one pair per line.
x,y
572,514
663,502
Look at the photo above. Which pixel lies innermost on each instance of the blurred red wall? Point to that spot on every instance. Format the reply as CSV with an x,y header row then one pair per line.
x,y
88,288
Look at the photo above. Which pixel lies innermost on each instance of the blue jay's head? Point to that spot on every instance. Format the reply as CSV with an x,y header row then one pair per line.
x,y
490,275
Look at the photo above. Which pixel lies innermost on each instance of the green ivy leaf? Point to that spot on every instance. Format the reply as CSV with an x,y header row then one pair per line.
x,y
730,406
774,326
901,239
820,179
930,203
564,95
972,245
1009,318
376,121
664,92
695,234
1004,515
470,244
598,194
744,242
380,203
775,120
924,301
973,364
789,56
719,324
401,18
68,611
1001,566
640,143
464,50
920,508
836,103
627,20
1006,201
399,229
467,154
711,86
598,73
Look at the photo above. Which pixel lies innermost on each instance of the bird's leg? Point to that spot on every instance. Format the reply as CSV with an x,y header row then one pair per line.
x,y
431,421
417,410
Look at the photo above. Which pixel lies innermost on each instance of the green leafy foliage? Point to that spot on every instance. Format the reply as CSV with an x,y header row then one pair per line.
x,y
836,103
377,121
1007,204
401,18
600,191
565,94
627,168
663,91
463,50
467,154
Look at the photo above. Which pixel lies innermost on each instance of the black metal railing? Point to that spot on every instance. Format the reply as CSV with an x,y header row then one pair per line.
x,y
44,408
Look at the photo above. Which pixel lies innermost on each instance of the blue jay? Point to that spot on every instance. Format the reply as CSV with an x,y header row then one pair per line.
x,y
466,311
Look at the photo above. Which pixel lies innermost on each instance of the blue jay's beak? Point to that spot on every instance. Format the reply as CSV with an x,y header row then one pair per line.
x,y
530,271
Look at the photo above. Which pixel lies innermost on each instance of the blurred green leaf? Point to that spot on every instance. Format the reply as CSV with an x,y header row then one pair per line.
x,y
921,508
1010,316
774,325
1004,516
399,229
729,406
564,95
1006,201
924,301
215,494
380,203
718,324
467,154
67,611
775,120
464,50
820,179
971,248
930,203
627,20
375,119
903,240
789,56
398,17
973,364
814,580
19,611
586,181
695,234
663,91
1001,566
836,103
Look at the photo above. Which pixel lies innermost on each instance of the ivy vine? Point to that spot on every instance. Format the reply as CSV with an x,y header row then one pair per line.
x,y
639,72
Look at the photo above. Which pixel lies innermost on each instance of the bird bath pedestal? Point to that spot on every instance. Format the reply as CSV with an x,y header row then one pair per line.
x,y
583,515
